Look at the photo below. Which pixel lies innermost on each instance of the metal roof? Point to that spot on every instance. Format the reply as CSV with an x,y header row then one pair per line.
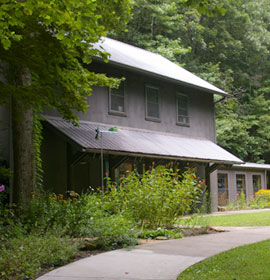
x,y
152,63
252,165
141,142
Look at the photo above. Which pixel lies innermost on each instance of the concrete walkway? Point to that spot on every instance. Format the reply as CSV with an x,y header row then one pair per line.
x,y
163,260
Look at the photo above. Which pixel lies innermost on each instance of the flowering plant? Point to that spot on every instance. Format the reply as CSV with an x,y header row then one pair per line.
x,y
2,188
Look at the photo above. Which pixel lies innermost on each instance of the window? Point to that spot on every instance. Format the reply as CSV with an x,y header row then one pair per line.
x,y
256,179
117,100
222,189
240,183
152,103
182,109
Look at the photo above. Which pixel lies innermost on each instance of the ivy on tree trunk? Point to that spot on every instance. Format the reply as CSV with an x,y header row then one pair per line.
x,y
23,147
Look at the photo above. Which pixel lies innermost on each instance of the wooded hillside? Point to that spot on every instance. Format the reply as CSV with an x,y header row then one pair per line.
x,y
228,44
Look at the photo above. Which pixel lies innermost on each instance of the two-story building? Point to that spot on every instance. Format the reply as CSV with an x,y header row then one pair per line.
x,y
162,114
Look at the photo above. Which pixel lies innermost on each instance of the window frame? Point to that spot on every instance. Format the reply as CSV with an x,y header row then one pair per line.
x,y
187,124
147,117
244,180
114,112
259,186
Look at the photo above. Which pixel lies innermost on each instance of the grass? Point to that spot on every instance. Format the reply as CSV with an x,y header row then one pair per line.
x,y
250,262
240,220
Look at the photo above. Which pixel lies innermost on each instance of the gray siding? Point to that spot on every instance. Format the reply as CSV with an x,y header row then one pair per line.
x,y
201,107
54,160
248,180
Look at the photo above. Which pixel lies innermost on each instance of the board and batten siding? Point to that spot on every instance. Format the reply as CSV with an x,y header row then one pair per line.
x,y
232,187
200,107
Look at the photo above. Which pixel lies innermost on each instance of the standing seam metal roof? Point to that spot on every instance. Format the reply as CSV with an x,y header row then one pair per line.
x,y
252,165
142,142
140,59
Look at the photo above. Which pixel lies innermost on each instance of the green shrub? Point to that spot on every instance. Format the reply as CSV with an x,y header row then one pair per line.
x,y
114,231
261,200
156,198
10,225
74,216
153,234
22,258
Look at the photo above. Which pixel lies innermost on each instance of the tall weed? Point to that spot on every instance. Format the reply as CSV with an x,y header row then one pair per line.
x,y
156,198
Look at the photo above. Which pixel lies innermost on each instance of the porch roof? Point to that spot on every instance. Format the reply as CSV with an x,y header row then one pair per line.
x,y
252,165
135,58
128,141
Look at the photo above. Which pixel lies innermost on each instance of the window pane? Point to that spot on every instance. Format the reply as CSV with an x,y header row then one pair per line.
x,y
182,109
256,183
182,112
152,110
183,120
240,183
117,103
118,91
152,95
117,99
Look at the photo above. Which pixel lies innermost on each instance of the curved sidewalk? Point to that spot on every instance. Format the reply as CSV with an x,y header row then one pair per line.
x,y
162,260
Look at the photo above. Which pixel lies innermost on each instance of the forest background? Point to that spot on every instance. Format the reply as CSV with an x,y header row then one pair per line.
x,y
229,47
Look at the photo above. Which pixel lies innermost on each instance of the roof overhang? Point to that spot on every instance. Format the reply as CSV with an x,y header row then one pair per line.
x,y
252,165
135,142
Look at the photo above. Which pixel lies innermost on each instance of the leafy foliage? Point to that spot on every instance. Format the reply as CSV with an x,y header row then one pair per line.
x,y
52,39
153,234
156,198
226,43
74,216
32,253
77,216
45,47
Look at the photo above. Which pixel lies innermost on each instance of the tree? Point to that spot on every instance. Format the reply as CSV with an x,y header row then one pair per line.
x,y
226,43
44,48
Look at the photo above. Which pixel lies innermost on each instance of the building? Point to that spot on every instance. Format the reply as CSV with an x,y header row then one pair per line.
x,y
248,178
162,113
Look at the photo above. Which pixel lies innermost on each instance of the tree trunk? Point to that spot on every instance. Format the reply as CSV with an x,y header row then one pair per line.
x,y
23,146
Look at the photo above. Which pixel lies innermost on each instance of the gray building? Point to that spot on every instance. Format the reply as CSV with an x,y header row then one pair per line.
x,y
248,178
162,113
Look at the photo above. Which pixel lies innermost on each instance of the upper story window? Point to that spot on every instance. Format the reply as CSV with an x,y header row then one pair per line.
x,y
117,100
182,109
152,103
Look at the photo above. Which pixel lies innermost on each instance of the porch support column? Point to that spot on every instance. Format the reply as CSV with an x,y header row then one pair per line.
x,y
212,188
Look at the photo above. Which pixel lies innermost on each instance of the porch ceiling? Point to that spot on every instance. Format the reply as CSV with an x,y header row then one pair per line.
x,y
142,142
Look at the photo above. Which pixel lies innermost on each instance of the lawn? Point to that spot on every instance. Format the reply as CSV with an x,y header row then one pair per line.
x,y
250,262
241,220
